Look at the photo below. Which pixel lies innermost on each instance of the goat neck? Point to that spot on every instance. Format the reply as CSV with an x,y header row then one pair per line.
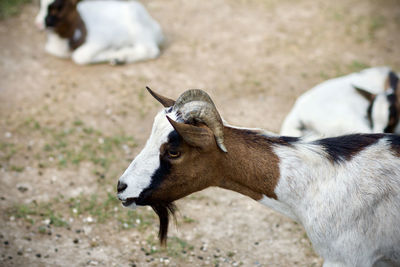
x,y
251,167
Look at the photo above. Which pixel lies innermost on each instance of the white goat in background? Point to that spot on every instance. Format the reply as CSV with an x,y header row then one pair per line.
x,y
345,191
99,31
362,102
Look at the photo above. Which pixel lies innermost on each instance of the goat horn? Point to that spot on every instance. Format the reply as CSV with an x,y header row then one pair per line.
x,y
196,105
165,101
365,93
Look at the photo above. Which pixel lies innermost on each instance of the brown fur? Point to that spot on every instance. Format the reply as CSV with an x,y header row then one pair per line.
x,y
191,161
395,144
70,21
395,87
387,85
164,211
396,150
250,167
189,173
393,82
366,94
394,101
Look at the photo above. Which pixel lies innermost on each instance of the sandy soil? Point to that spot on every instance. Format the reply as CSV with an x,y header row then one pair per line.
x,y
254,57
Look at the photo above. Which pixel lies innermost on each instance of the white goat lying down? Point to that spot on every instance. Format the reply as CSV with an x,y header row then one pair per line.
x,y
345,191
99,31
362,102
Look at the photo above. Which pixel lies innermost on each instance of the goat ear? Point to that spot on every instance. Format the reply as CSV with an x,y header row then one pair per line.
x,y
193,135
165,101
367,95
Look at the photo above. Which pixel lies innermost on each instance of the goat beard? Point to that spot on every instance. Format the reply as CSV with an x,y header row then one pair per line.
x,y
164,211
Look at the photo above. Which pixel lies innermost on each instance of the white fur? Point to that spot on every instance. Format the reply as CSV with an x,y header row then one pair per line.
x,y
350,211
279,207
117,31
334,107
41,16
380,113
139,173
57,46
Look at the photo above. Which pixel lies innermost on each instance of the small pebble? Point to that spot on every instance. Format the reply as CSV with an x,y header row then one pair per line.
x,y
38,255
6,243
20,252
22,188
76,240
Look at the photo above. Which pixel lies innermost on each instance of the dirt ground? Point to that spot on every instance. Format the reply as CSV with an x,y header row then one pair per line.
x,y
67,132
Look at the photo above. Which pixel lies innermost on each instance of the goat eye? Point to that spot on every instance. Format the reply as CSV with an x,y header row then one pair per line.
x,y
173,153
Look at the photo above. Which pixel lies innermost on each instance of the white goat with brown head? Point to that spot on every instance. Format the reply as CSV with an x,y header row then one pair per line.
x,y
345,191
99,31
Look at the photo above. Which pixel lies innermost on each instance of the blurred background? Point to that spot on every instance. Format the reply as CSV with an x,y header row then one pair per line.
x,y
67,132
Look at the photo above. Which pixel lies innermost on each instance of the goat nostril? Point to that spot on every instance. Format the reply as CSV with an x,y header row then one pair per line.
x,y
121,186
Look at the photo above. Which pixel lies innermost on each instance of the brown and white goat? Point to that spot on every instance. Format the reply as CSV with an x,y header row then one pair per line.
x,y
345,191
99,31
